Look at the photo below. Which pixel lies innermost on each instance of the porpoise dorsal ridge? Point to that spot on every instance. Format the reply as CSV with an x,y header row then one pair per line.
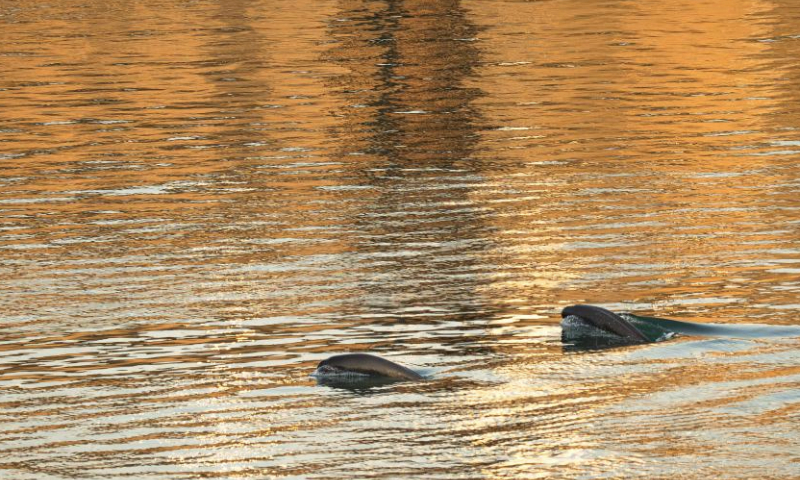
x,y
606,320
365,364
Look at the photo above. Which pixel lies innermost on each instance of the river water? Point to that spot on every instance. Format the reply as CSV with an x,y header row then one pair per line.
x,y
200,200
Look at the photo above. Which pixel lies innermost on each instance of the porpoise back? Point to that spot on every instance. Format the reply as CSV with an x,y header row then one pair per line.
x,y
606,320
370,365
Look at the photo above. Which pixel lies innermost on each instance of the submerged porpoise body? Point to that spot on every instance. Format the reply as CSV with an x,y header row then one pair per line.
x,y
363,364
627,328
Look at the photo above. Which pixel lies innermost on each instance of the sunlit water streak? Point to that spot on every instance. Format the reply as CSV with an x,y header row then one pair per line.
x,y
202,200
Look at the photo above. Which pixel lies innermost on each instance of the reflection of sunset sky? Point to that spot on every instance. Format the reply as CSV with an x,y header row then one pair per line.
x,y
201,200
629,132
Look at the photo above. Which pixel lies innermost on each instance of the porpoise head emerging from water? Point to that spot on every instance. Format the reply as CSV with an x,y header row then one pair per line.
x,y
363,364
608,321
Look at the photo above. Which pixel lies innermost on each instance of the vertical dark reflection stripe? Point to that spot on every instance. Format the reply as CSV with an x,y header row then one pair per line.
x,y
410,129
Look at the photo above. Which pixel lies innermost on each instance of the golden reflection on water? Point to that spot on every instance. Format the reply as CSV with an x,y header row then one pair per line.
x,y
201,200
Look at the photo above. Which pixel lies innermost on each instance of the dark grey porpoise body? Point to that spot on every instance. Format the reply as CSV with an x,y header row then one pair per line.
x,y
367,364
606,320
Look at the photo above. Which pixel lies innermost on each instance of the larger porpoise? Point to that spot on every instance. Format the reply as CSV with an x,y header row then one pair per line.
x,y
364,364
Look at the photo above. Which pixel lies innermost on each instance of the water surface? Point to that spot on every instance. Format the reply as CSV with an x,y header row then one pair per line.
x,y
201,200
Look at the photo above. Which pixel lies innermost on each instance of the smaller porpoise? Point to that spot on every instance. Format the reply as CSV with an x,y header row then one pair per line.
x,y
361,365
608,321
